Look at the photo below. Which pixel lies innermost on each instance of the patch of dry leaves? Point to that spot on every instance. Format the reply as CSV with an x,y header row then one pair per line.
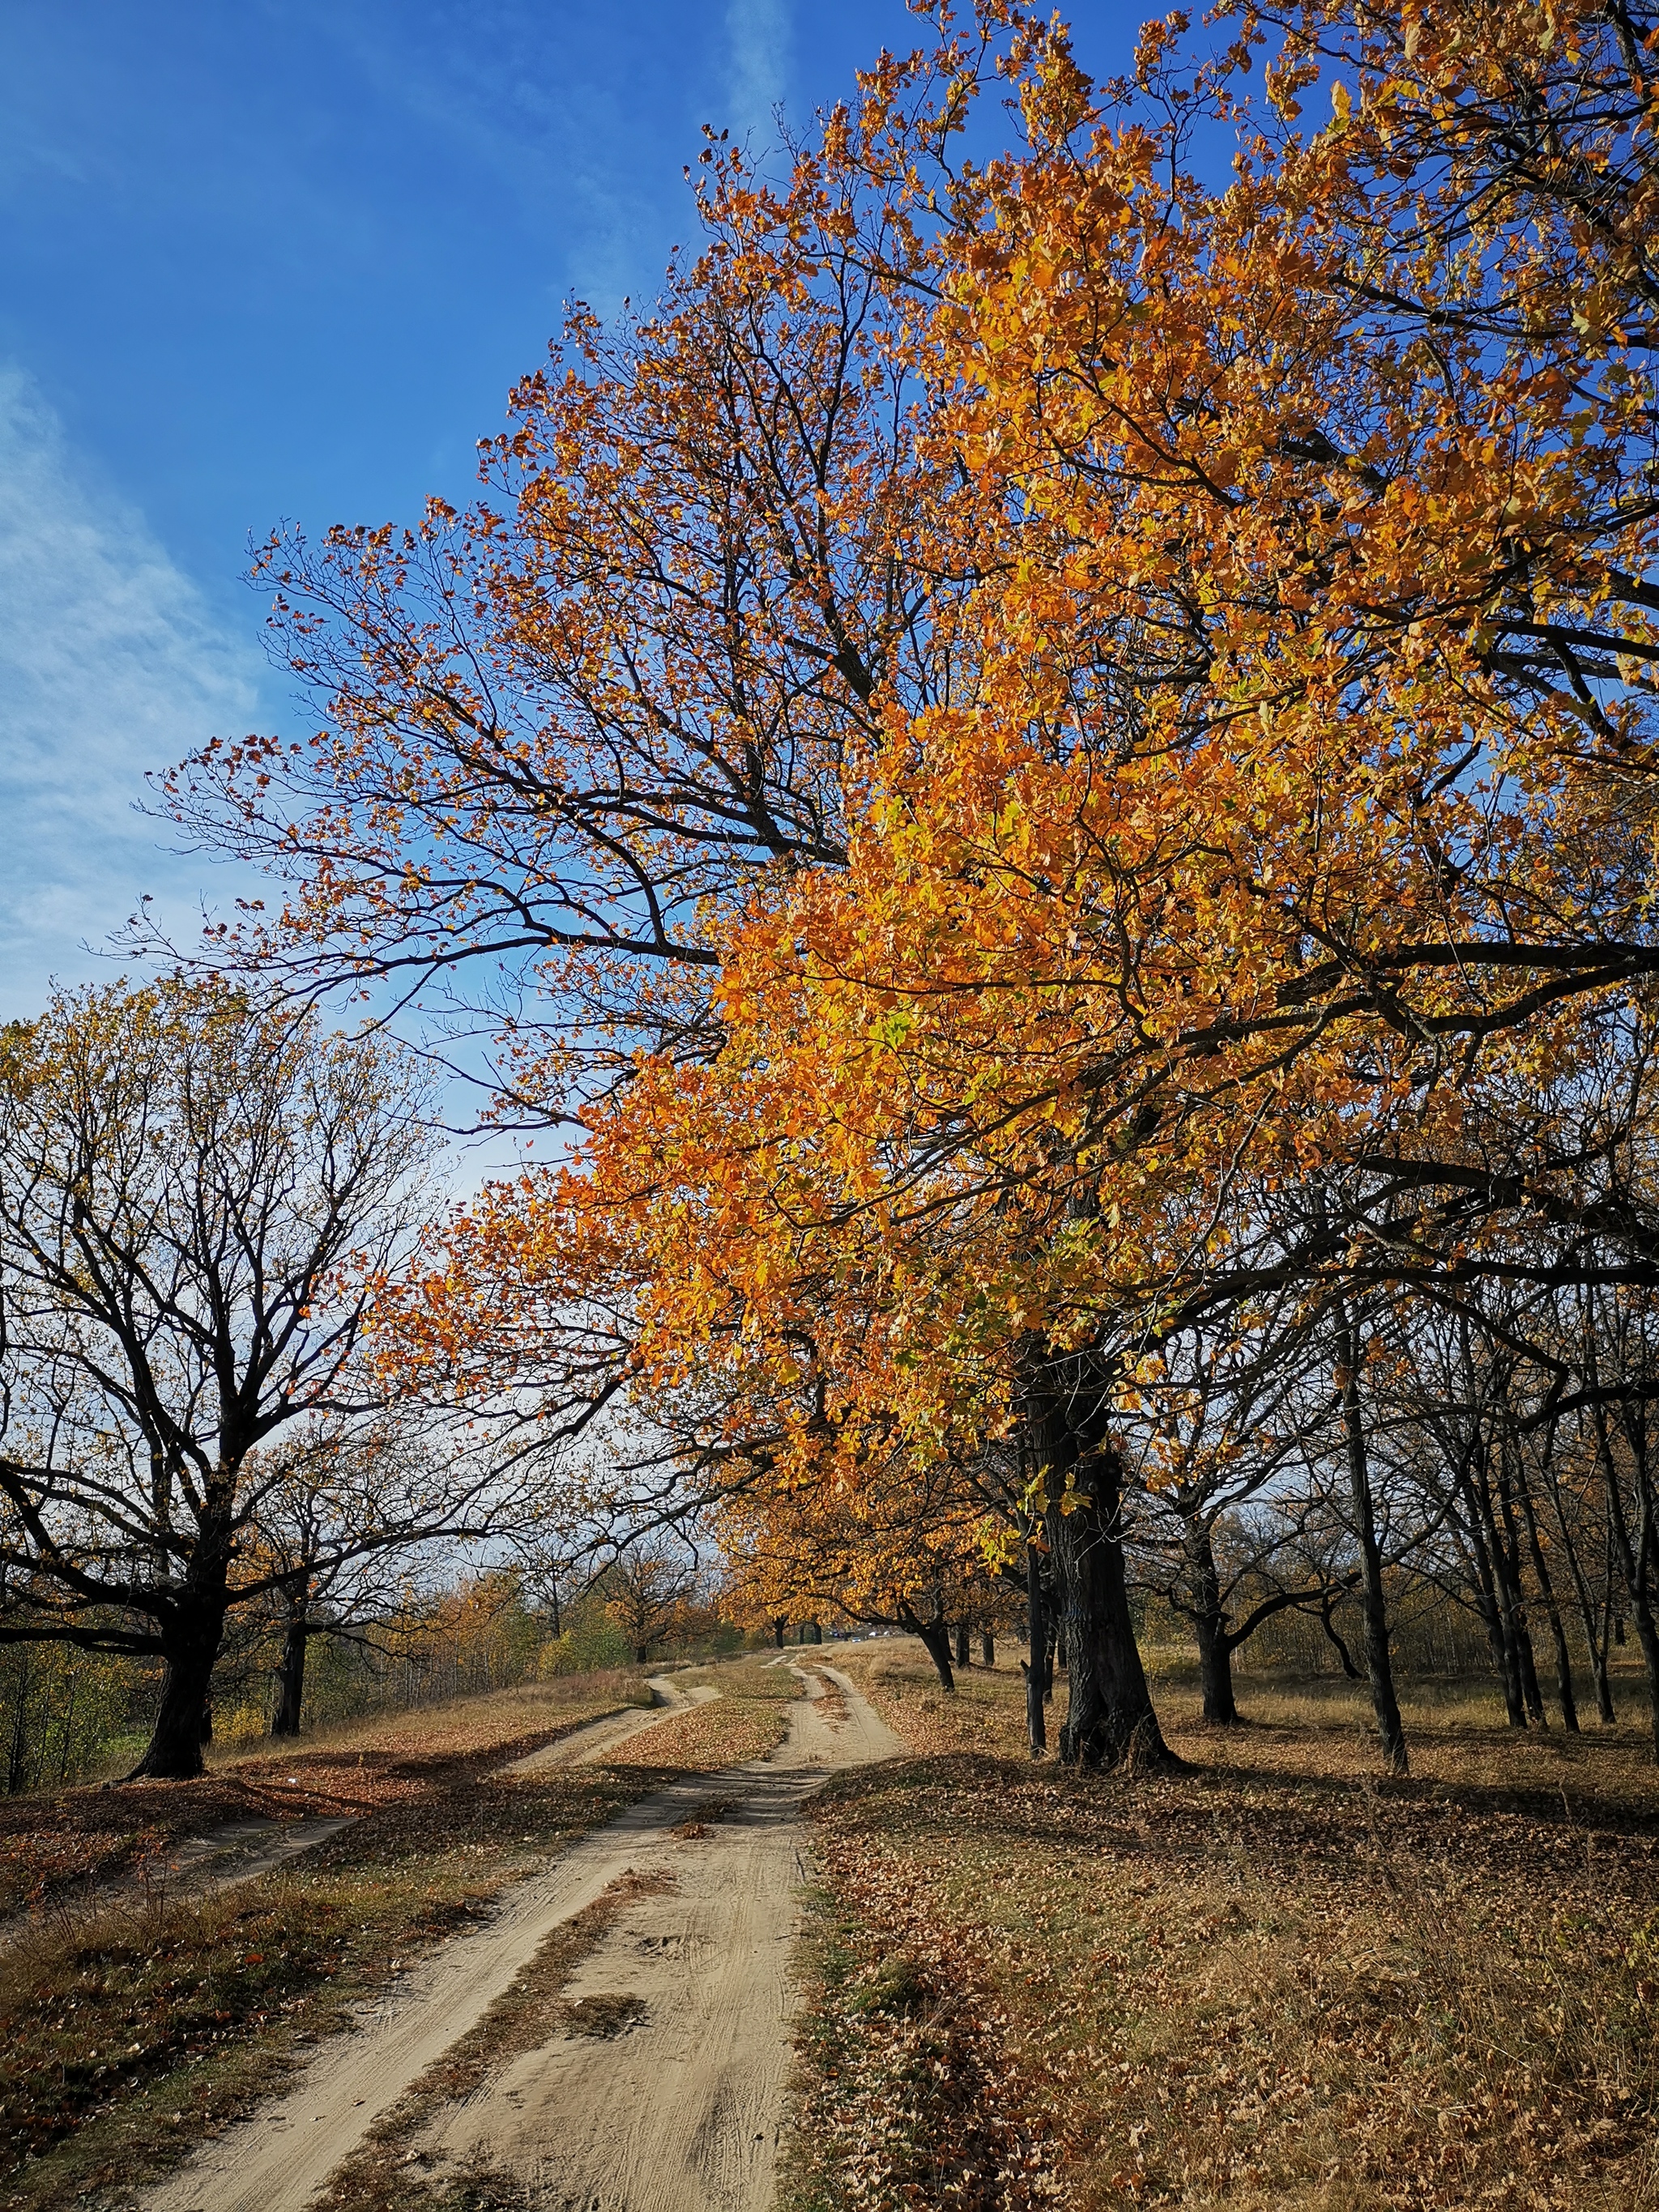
x,y
725,1732
1268,1981
60,1842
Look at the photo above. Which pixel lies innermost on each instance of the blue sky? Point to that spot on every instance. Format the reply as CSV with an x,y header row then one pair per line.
x,y
265,259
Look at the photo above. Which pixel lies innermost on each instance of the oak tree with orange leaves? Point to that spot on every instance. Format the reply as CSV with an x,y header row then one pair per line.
x,y
1053,745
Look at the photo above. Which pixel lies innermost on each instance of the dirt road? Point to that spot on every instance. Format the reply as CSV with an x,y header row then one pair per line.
x,y
594,1738
674,2110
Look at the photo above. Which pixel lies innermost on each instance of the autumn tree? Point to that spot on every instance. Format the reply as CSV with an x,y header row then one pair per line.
x,y
649,1592
341,1525
922,1548
1051,746
1219,1423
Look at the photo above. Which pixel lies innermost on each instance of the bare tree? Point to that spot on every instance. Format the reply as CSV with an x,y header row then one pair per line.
x,y
198,1195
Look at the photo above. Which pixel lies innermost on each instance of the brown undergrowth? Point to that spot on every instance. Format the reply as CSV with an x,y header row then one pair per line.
x,y
738,1725
1270,1981
128,2032
55,1843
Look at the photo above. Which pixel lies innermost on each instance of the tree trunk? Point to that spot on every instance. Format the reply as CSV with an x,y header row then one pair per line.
x,y
1215,1672
987,1648
1373,1598
936,1635
964,1655
291,1671
1564,1690
1520,1629
1635,1564
1109,1719
1594,1645
780,1629
1490,1603
174,1750
18,1753
1036,1615
1215,1653
1608,1623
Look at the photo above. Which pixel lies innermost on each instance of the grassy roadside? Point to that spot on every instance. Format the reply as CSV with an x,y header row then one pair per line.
x,y
54,1844
1272,1981
131,2032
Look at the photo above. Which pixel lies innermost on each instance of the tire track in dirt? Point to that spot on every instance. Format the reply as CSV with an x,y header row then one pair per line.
x,y
678,2111
593,1737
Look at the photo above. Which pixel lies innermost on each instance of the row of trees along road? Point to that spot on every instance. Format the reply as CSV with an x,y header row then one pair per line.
x,y
1058,752
199,1192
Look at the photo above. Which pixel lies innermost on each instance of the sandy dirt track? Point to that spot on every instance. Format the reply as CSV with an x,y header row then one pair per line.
x,y
678,2113
595,1737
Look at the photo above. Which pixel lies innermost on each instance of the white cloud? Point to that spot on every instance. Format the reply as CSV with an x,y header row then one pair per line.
x,y
758,32
110,664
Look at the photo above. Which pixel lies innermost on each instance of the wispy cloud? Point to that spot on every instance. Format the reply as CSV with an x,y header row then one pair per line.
x,y
110,664
757,32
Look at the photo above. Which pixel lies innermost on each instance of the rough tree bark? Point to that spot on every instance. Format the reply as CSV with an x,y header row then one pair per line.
x,y
935,1632
191,1637
1215,1651
1110,1718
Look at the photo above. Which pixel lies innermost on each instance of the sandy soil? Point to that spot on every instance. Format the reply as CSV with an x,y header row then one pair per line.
x,y
595,1737
678,2112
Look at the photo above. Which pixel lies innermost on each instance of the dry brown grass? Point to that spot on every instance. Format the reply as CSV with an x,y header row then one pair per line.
x,y
1273,1980
56,1845
458,1725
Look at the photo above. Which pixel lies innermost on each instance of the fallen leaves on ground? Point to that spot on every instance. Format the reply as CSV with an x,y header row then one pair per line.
x,y
1268,1981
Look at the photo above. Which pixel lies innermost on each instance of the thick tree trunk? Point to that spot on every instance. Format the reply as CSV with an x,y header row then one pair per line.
x,y
291,1671
1215,1652
987,1648
1215,1672
964,1654
174,1751
1109,1719
1036,1616
936,1635
780,1629
1373,1597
